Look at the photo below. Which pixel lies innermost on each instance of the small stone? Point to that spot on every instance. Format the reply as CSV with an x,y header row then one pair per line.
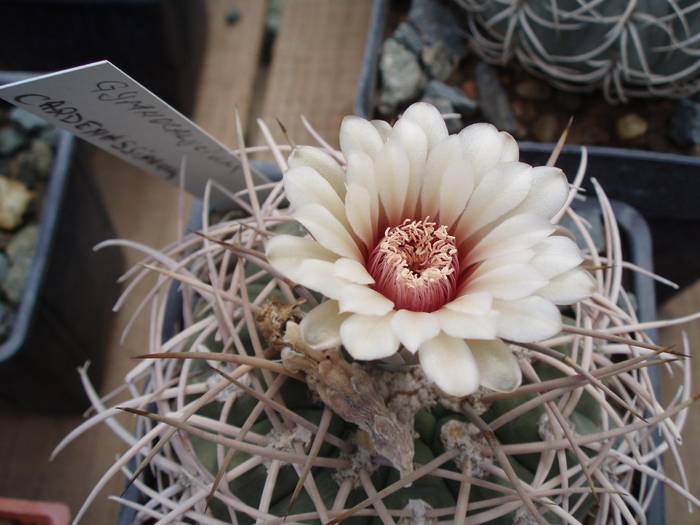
x,y
439,61
470,89
407,35
684,126
19,168
23,243
436,22
493,99
32,165
460,102
42,156
631,126
14,200
27,121
21,252
532,89
402,77
10,140
16,279
546,128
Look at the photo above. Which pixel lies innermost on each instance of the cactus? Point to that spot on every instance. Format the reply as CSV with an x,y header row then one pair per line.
x,y
240,422
628,49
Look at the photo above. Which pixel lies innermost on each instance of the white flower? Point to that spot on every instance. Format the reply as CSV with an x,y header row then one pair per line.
x,y
440,243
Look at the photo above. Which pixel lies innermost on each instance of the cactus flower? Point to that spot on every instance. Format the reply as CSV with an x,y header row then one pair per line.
x,y
443,244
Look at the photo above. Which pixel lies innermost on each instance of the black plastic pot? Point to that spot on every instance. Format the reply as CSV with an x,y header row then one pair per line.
x,y
64,316
160,42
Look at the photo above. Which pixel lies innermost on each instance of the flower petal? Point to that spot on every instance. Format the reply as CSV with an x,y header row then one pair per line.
x,y
412,139
548,193
322,162
507,281
320,328
392,175
320,276
449,363
569,287
455,190
472,303
353,271
486,146
286,253
414,328
358,210
368,337
500,191
498,367
517,257
512,235
556,255
359,135
328,231
510,151
383,127
443,155
429,119
362,299
467,326
527,320
304,185
360,171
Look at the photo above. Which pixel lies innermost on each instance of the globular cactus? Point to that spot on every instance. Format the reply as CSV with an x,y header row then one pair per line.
x,y
244,418
626,48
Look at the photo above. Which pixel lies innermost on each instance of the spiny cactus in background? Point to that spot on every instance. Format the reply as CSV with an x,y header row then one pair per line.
x,y
243,420
627,48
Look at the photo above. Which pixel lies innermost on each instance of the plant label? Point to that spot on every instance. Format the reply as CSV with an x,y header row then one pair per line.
x,y
103,105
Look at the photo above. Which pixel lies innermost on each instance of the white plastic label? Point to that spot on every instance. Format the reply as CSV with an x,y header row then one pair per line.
x,y
103,105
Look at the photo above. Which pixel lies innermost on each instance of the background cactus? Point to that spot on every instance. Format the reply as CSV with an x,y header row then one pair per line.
x,y
626,48
576,443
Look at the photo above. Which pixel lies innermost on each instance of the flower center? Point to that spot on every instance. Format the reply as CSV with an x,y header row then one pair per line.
x,y
416,265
